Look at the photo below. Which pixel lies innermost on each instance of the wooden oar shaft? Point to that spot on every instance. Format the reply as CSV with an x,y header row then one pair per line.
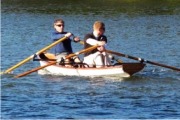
x,y
37,53
19,64
162,65
82,51
34,70
51,45
123,55
142,60
52,63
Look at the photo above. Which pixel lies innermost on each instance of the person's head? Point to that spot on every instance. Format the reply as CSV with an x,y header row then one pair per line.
x,y
99,28
59,25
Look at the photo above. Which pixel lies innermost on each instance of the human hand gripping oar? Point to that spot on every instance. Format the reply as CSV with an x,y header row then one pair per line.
x,y
54,62
31,56
142,60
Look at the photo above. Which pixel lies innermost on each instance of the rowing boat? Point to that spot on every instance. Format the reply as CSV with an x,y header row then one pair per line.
x,y
120,70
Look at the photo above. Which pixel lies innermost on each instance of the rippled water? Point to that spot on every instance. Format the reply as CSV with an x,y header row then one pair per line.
x,y
151,93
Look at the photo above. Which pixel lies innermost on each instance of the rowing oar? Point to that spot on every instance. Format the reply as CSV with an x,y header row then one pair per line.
x,y
142,60
54,62
37,53
118,60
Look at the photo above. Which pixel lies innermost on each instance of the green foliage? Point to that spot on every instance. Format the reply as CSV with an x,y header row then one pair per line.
x,y
113,7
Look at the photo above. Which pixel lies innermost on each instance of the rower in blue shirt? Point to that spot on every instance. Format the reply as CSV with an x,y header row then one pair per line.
x,y
64,48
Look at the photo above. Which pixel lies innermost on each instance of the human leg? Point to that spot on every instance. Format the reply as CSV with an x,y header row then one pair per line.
x,y
89,60
99,59
61,59
107,60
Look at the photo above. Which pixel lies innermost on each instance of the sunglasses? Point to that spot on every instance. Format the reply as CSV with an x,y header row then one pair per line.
x,y
60,25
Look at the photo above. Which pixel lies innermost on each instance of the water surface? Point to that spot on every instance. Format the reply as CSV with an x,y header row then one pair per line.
x,y
147,29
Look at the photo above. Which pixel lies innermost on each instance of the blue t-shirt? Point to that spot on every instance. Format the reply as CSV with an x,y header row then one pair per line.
x,y
64,46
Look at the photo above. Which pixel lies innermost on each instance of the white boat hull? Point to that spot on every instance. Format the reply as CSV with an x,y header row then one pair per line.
x,y
122,70
93,72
